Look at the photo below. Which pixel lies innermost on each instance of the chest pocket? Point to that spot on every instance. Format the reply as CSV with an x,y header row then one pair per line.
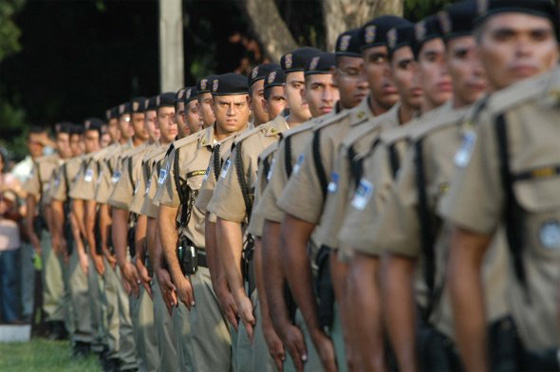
x,y
532,205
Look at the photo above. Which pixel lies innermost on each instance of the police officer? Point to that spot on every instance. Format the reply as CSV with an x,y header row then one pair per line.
x,y
191,114
505,178
204,96
255,81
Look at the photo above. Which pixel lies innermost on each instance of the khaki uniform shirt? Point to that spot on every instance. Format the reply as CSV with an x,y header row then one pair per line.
x,y
65,177
190,159
86,181
228,200
143,189
130,169
361,139
110,172
38,183
477,199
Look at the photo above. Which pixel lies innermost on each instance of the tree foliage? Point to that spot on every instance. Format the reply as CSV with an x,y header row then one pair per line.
x,y
9,31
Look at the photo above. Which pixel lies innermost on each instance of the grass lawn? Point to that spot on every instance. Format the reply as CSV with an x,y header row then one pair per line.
x,y
43,355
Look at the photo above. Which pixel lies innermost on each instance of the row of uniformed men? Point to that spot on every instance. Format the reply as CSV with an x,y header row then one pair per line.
x,y
347,226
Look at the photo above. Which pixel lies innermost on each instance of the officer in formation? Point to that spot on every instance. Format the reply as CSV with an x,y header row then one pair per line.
x,y
389,206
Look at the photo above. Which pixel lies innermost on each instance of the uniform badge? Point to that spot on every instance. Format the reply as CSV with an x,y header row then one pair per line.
x,y
158,100
146,103
481,6
362,195
444,21
333,185
288,60
463,155
225,169
344,43
206,174
549,235
203,84
108,114
269,174
162,176
181,94
392,38
215,85
188,95
255,72
88,177
116,176
135,106
148,185
87,124
56,181
298,164
121,108
271,77
420,31
370,32
136,187
314,62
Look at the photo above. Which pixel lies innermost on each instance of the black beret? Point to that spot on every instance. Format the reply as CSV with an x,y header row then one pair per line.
x,y
190,94
321,64
137,105
424,31
165,100
64,127
229,84
112,113
205,84
125,108
399,37
374,33
150,104
457,19
260,72
297,59
349,43
93,122
275,79
540,8
180,96
77,129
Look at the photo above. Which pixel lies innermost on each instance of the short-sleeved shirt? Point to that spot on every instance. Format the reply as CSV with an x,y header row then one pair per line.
x,y
360,141
228,201
306,190
476,201
65,177
188,162
86,180
110,172
38,183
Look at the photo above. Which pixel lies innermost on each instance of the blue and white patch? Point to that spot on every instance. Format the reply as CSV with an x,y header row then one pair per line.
x,y
162,176
298,164
549,235
362,195
206,174
116,176
136,187
56,181
463,155
333,185
148,184
88,177
269,175
225,169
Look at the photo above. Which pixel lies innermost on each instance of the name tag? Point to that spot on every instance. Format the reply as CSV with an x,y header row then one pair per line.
x,y
148,187
298,164
116,176
225,169
463,155
88,177
333,185
162,176
269,175
362,195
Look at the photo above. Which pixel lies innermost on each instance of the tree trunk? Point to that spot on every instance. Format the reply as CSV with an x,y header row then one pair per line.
x,y
269,28
343,15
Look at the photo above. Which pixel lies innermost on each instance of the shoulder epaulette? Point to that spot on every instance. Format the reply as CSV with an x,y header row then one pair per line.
x,y
519,93
440,118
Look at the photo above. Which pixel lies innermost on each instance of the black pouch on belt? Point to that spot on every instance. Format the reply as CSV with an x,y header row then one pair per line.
x,y
324,288
186,254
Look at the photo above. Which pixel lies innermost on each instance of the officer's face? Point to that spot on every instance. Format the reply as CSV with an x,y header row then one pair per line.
x,y
293,91
433,74
113,129
351,81
180,119
63,145
105,140
467,74
35,144
232,112
403,69
138,126
320,94
256,99
151,127
377,72
192,116
205,109
124,124
167,125
276,101
91,139
76,144
515,46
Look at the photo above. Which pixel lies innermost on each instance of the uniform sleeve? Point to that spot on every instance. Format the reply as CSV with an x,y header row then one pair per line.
x,y
207,187
303,195
475,198
58,190
103,183
227,202
166,193
278,179
33,184
121,196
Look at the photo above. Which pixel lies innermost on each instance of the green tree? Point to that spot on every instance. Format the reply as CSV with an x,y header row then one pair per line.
x,y
9,31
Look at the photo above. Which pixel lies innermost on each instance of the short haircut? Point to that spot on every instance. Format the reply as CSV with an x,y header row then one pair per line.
x,y
34,129
95,127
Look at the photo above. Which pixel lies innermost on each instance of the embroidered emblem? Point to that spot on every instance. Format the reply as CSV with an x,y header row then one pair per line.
x,y
549,235
362,195
463,155
333,185
344,43
370,32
